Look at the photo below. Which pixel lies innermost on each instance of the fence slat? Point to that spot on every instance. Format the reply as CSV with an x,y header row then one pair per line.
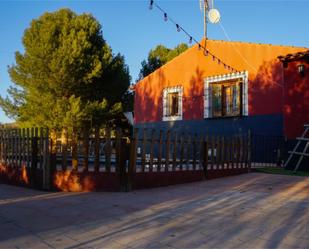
x,y
223,154
34,156
47,174
212,152
237,152
14,137
175,142
194,152
144,144
23,144
133,154
201,152
74,150
118,149
152,144
160,151
167,154
86,149
1,142
41,147
181,151
96,149
205,158
64,148
108,150
188,155
249,151
228,152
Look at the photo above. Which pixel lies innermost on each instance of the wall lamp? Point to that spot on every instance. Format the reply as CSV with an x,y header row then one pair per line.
x,y
301,69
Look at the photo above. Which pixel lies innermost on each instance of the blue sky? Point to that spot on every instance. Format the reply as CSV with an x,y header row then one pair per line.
x,y
132,29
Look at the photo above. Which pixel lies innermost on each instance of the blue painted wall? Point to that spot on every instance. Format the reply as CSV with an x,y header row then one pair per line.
x,y
262,124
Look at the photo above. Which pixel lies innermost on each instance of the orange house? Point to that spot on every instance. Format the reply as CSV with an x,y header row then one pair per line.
x,y
196,93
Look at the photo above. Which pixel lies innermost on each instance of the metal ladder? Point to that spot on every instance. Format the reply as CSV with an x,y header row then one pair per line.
x,y
301,139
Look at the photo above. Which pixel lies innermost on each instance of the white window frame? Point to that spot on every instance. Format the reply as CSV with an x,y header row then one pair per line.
x,y
166,91
220,78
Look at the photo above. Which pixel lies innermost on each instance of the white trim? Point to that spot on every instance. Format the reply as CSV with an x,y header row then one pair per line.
x,y
216,79
174,89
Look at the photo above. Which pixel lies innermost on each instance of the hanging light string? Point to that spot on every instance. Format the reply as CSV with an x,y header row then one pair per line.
x,y
191,38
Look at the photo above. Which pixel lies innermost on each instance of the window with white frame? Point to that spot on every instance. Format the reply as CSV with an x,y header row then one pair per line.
x,y
226,95
172,103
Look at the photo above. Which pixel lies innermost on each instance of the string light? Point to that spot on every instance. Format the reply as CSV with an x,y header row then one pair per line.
x,y
206,52
165,17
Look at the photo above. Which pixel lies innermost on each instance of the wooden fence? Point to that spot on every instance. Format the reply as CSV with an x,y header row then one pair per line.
x,y
24,156
102,159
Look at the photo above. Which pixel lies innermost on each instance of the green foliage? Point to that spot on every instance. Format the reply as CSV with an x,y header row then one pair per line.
x,y
281,171
67,75
158,56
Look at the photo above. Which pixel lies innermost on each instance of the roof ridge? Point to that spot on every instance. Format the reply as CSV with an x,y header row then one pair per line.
x,y
255,43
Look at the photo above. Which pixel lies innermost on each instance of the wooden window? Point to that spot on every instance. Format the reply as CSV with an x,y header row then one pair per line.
x,y
226,95
226,98
172,103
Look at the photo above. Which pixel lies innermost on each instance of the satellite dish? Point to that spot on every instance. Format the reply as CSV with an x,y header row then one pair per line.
x,y
214,16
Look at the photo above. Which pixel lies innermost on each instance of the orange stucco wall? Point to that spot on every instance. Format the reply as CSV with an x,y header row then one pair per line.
x,y
192,67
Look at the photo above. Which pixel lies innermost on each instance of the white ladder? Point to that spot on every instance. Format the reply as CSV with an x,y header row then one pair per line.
x,y
301,139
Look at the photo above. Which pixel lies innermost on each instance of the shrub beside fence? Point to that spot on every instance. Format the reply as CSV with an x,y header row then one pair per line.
x,y
102,159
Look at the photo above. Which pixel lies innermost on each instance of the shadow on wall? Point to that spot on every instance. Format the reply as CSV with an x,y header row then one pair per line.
x,y
266,89
148,99
296,106
193,103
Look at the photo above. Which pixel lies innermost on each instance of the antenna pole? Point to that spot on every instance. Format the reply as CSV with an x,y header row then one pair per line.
x,y
205,20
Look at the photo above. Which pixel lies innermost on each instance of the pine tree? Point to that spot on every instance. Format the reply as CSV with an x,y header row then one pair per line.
x,y
67,75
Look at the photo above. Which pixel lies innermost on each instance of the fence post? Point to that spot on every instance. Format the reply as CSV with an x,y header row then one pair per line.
x,y
34,160
167,154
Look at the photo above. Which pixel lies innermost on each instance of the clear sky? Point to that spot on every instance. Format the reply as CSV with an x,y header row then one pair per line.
x,y
132,29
